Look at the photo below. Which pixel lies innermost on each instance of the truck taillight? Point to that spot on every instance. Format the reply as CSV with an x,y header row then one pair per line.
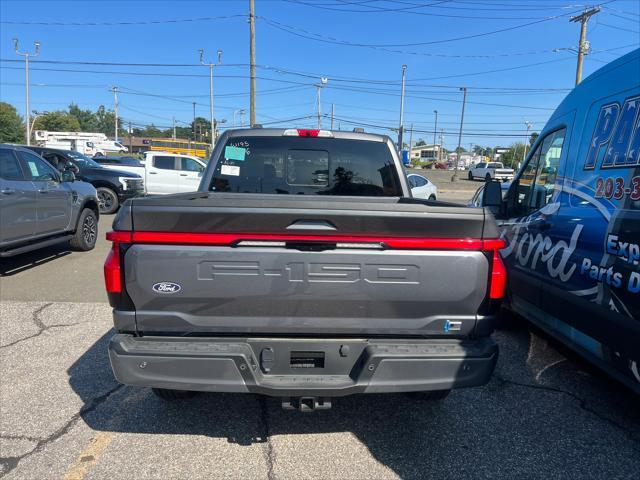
x,y
498,277
112,271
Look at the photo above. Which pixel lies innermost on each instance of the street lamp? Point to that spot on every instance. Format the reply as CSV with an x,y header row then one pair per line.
x,y
241,112
26,56
211,65
323,82
36,114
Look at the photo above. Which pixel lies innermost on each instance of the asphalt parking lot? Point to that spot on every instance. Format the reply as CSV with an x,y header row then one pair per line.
x,y
545,413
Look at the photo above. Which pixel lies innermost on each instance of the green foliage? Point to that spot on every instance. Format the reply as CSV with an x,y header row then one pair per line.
x,y
86,118
532,139
11,126
514,155
420,143
59,121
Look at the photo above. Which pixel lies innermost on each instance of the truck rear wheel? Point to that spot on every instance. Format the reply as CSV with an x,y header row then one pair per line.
x,y
167,394
86,234
487,177
107,200
430,396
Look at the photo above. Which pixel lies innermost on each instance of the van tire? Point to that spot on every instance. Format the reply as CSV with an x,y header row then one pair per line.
x,y
470,176
167,394
86,234
432,197
107,200
431,396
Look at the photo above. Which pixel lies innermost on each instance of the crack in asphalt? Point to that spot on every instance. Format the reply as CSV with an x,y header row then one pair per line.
x,y
9,463
582,403
269,452
20,437
35,317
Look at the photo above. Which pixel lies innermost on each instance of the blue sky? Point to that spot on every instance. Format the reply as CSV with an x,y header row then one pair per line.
x,y
360,45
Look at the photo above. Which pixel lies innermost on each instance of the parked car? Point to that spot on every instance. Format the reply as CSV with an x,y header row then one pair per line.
x,y
421,187
113,186
40,206
302,269
572,220
118,161
165,172
478,197
491,171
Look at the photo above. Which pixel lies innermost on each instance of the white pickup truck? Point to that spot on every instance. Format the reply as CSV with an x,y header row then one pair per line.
x,y
491,171
165,172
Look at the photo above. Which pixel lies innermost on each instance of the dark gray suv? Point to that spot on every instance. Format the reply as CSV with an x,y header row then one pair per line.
x,y
40,206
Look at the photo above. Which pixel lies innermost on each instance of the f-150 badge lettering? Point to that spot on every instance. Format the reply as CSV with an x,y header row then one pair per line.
x,y
314,272
166,287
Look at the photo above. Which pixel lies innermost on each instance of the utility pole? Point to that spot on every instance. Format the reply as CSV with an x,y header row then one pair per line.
x,y
323,82
252,63
26,56
130,138
440,145
173,120
526,140
435,129
401,126
583,47
410,140
211,65
333,113
454,178
115,101
193,126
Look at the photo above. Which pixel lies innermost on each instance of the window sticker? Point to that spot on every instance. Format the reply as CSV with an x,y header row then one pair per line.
x,y
34,169
230,170
235,153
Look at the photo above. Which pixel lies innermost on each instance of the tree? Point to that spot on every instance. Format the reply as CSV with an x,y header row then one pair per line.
x,y
59,121
420,143
86,118
11,126
532,139
106,121
513,156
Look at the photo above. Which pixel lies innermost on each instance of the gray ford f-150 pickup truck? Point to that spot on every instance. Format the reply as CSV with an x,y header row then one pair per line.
x,y
303,269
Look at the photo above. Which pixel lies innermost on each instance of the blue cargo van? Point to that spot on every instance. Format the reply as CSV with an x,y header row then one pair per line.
x,y
571,219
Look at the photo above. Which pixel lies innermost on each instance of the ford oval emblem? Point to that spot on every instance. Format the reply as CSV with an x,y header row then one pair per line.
x,y
166,287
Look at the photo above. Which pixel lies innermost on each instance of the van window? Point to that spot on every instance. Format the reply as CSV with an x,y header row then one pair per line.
x,y
536,182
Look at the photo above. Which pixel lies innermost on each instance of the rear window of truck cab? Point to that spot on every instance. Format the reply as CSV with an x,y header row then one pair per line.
x,y
301,165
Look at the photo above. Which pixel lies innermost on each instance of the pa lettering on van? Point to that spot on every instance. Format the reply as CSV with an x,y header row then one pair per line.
x,y
616,137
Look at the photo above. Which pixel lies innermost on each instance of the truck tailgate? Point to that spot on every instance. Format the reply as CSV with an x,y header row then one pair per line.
x,y
331,266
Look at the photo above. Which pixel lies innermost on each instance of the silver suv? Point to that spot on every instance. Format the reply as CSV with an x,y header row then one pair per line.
x,y
40,206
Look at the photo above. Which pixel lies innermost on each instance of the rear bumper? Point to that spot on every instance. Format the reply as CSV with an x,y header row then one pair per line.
x,y
349,365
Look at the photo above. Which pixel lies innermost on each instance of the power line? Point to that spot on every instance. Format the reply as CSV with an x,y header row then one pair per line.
x,y
618,28
112,24
326,39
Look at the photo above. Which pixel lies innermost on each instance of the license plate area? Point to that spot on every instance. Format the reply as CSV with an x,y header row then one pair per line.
x,y
292,356
306,359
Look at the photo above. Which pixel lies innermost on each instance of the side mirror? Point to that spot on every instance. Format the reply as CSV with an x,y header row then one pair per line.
x,y
68,176
492,194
